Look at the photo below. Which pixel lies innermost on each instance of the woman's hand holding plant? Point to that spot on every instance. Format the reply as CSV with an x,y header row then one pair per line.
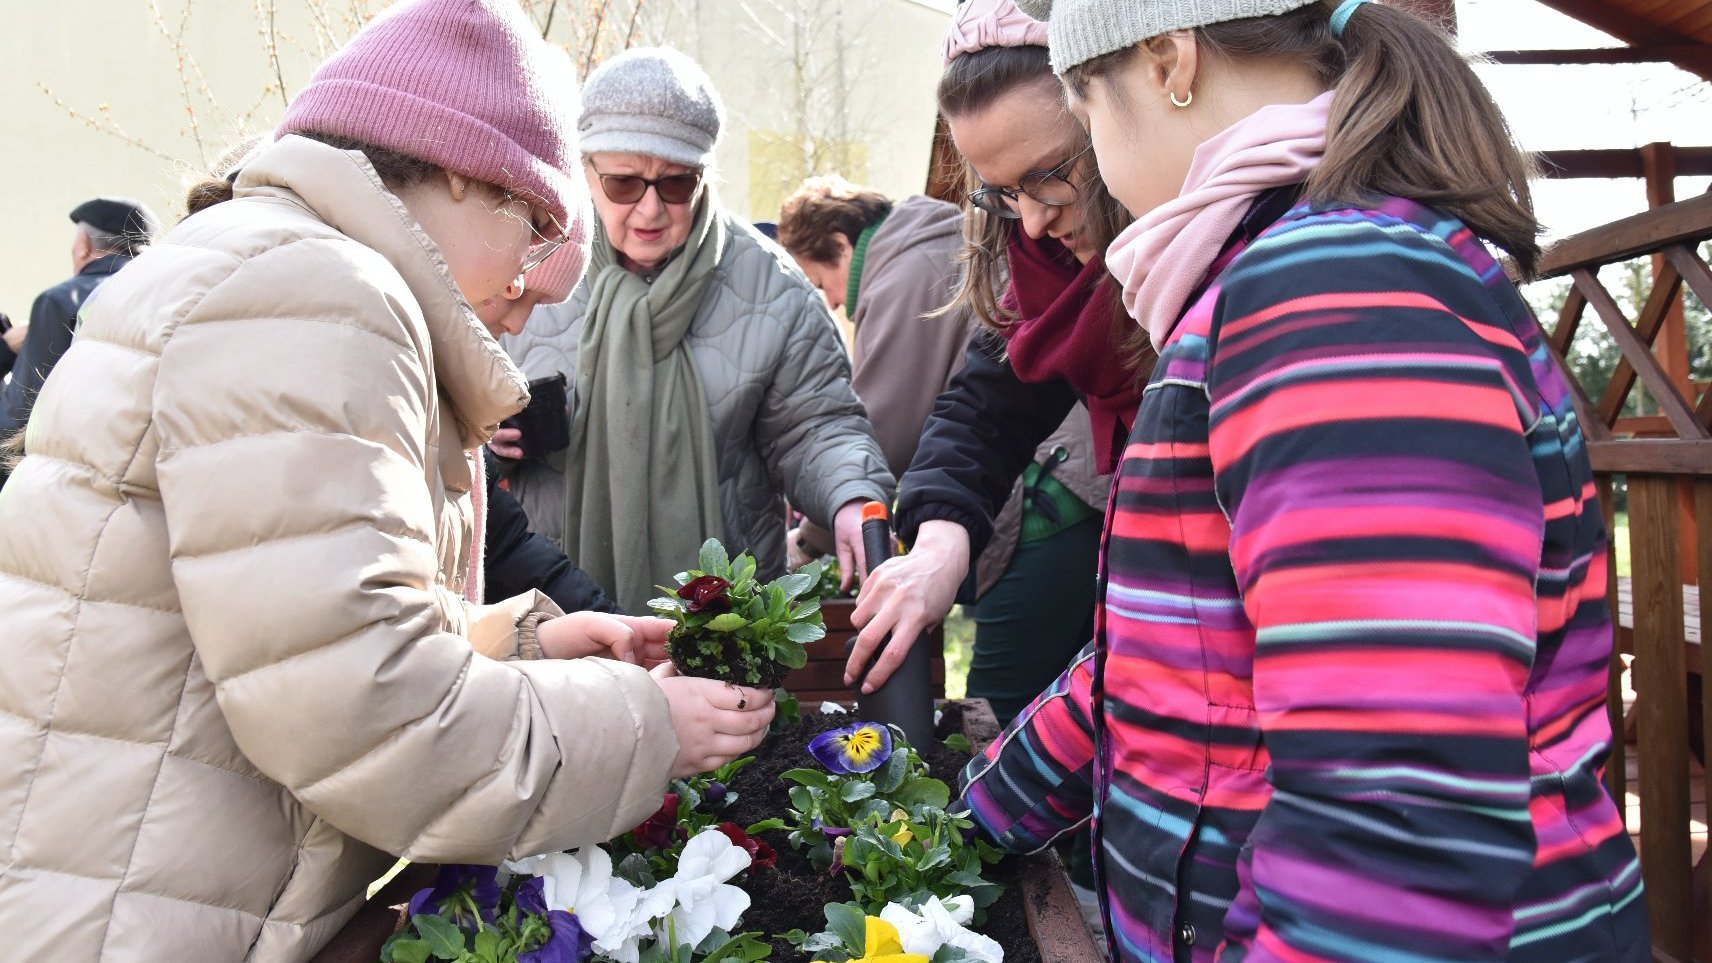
x,y
715,721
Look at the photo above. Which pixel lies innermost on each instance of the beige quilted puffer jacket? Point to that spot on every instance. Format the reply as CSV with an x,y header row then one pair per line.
x,y
238,672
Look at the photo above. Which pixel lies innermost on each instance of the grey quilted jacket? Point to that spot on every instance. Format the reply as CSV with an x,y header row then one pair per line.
x,y
786,423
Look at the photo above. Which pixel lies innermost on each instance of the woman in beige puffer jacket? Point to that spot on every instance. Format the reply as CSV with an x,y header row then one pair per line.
x,y
239,673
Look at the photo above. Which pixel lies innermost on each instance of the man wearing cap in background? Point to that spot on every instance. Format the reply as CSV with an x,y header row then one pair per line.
x,y
110,232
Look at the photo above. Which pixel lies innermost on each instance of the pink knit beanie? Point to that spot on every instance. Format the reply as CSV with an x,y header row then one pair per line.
x,y
979,24
465,84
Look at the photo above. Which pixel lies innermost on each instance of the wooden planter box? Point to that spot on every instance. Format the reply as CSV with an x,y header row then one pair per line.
x,y
822,680
1054,919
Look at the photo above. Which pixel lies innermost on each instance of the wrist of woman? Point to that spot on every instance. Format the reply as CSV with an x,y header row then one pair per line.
x,y
946,539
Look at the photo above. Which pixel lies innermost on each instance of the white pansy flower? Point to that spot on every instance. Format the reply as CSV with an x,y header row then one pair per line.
x,y
701,897
610,908
939,924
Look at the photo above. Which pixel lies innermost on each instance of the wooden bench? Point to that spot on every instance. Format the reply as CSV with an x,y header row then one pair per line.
x,y
1690,622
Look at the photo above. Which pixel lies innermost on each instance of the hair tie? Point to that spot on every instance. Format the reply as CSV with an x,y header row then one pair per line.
x,y
1340,18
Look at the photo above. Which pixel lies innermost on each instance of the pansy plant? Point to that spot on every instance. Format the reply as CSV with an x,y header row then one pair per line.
x,y
468,916
732,628
871,811
650,852
896,935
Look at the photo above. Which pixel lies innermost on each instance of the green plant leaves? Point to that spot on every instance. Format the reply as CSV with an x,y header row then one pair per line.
x,y
728,622
923,790
407,951
794,586
714,560
807,777
856,790
845,921
803,633
891,773
443,939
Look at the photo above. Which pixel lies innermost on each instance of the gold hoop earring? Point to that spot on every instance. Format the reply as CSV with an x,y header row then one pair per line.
x,y
1184,102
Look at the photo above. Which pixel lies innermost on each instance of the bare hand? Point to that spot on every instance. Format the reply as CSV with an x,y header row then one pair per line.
x,y
638,640
847,533
715,721
796,556
903,597
14,337
507,443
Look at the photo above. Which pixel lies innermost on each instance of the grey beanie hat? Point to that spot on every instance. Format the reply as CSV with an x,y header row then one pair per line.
x,y
654,101
1080,30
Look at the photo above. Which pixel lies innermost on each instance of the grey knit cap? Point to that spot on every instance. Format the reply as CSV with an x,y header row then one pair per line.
x,y
1080,30
654,101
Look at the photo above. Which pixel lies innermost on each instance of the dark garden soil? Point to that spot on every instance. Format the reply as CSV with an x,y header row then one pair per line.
x,y
791,896
718,655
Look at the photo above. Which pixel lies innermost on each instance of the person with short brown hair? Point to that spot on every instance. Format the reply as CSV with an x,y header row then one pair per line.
x,y
893,269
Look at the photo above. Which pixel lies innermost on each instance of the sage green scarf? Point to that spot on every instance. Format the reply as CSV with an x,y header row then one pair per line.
x,y
642,482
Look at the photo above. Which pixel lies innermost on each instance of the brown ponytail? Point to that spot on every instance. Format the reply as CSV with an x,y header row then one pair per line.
x,y
1410,118
206,194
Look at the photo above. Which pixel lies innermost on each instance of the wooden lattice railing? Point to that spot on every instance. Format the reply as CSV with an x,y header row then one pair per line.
x,y
1667,462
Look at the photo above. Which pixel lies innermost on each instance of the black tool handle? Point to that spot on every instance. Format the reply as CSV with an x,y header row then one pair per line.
x,y
906,699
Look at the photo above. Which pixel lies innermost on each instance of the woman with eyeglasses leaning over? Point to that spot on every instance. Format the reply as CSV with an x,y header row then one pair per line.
x,y
707,379
242,676
1039,218
895,267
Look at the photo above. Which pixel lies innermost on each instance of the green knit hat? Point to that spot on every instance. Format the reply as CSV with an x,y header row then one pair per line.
x,y
1080,30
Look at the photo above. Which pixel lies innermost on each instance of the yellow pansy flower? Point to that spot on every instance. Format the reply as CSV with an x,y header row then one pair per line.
x,y
882,945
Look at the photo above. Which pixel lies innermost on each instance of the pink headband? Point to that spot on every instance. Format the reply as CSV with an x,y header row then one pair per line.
x,y
979,24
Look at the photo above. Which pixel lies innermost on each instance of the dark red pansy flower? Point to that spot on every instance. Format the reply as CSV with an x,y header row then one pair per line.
x,y
761,855
657,831
706,594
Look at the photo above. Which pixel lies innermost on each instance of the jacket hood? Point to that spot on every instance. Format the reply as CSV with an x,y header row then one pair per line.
x,y
342,188
915,221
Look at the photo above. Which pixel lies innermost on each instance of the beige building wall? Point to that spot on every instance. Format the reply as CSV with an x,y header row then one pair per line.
x,y
187,86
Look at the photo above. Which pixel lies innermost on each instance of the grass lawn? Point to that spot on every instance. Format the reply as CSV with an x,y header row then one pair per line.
x,y
1619,538
959,644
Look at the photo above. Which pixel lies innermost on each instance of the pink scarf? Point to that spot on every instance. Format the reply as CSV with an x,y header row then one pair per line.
x,y
1164,256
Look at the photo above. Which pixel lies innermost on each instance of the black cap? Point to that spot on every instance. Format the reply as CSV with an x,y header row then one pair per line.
x,y
118,215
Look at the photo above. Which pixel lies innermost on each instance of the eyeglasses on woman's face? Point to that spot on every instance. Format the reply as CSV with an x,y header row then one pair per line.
x,y
547,235
1050,187
630,188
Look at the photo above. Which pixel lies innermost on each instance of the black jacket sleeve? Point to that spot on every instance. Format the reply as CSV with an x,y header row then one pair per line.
x,y
983,432
7,355
518,560
52,320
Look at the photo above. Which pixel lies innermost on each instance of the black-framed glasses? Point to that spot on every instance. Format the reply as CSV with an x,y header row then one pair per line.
x,y
629,188
1050,187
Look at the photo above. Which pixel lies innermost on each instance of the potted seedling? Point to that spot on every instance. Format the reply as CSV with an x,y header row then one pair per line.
x,y
732,628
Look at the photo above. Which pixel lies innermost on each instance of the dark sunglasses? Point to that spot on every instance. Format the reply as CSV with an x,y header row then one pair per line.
x,y
1049,187
629,188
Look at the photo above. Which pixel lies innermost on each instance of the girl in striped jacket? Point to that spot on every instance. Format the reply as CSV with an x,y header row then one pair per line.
x,y
1346,695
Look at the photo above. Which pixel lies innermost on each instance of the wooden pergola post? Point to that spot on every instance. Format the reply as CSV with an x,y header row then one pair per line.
x,y
1659,168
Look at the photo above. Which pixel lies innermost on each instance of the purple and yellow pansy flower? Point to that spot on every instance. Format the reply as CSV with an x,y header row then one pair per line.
x,y
863,747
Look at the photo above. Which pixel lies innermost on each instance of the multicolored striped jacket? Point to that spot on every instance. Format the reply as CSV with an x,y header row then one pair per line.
x,y
1346,695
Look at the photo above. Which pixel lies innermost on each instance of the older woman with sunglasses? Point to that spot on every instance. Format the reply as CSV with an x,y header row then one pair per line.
x,y
708,381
